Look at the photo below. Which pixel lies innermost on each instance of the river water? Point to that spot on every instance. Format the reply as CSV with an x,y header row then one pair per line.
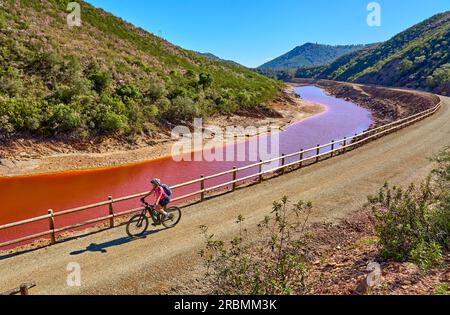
x,y
29,196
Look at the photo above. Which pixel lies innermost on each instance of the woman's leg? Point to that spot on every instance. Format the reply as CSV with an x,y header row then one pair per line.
x,y
161,209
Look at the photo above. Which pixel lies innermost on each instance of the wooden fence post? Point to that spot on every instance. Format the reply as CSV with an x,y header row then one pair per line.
x,y
260,171
51,223
345,144
301,158
317,153
283,163
234,177
369,134
332,148
202,188
111,212
24,289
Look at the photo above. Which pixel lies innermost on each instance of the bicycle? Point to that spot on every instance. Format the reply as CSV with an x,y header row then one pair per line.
x,y
139,223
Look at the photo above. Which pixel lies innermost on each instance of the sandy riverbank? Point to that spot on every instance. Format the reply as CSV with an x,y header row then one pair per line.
x,y
30,157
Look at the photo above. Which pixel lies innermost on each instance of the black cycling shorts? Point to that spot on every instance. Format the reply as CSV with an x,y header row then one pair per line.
x,y
164,202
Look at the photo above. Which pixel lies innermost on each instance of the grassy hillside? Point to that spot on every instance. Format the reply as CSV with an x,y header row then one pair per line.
x,y
309,55
416,58
107,76
341,65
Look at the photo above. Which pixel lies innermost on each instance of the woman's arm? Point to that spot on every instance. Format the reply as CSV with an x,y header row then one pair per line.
x,y
151,192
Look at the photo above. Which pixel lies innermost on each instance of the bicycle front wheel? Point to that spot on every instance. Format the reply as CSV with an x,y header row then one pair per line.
x,y
137,225
175,214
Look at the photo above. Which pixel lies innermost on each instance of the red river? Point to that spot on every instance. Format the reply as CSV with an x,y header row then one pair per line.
x,y
30,196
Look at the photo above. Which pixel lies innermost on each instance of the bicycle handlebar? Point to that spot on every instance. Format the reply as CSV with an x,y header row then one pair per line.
x,y
146,203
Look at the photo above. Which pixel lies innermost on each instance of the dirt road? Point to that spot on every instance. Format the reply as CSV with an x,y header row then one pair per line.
x,y
111,263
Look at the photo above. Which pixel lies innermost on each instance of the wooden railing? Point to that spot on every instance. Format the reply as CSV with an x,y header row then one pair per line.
x,y
335,146
23,289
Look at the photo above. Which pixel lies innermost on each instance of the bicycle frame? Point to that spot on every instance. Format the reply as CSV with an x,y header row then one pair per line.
x,y
150,209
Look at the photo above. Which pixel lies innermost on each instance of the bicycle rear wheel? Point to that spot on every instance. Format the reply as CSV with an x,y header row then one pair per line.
x,y
175,214
137,225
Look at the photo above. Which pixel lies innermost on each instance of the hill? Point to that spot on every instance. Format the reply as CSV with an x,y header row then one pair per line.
x,y
417,58
107,77
309,55
216,58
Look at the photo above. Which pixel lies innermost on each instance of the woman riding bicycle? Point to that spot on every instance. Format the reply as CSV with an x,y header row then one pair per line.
x,y
169,218
162,199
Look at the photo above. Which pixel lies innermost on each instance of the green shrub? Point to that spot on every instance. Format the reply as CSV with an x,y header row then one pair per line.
x,y
113,122
441,214
65,118
405,65
401,221
440,76
275,266
244,99
190,74
430,81
10,82
63,94
20,115
183,109
163,105
205,80
129,90
427,255
442,289
155,91
182,92
114,104
67,93
226,106
136,118
5,125
414,225
151,112
419,60
100,80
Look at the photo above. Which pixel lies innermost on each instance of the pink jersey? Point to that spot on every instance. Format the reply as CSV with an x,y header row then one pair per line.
x,y
160,192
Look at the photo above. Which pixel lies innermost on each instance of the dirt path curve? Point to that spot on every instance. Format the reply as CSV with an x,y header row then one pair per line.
x,y
111,263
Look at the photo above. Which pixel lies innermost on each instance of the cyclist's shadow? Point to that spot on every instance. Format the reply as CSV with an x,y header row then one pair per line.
x,y
102,248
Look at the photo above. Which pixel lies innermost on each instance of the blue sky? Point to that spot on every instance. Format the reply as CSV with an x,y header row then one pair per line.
x,y
252,32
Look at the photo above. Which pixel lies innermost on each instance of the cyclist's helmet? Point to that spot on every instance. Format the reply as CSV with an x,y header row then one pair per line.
x,y
156,181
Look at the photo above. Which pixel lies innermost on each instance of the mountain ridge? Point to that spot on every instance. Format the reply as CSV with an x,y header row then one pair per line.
x,y
417,58
309,55
216,58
